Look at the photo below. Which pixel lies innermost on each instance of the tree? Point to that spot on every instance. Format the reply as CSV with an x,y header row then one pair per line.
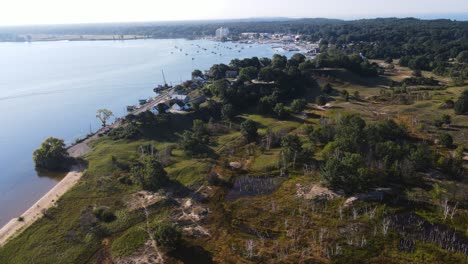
x,y
51,155
103,115
279,61
291,143
345,95
197,73
218,71
296,59
267,103
461,105
167,235
347,172
321,100
228,112
280,110
151,174
327,88
445,140
417,73
249,130
298,105
291,148
248,73
446,119
463,57
266,74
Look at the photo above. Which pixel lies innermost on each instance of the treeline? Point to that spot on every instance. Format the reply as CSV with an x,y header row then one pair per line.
x,y
377,38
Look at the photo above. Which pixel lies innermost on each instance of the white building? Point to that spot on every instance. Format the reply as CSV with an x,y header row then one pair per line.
x,y
222,32
181,97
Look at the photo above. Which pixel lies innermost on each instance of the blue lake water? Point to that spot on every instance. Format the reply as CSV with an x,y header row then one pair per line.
x,y
54,89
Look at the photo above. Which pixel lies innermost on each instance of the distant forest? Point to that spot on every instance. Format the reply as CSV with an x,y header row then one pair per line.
x,y
422,44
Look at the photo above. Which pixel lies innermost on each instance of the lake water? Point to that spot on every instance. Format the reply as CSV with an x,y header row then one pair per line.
x,y
54,89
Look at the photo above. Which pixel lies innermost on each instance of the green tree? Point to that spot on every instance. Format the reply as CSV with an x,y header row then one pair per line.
x,y
267,103
446,119
298,105
218,71
296,59
151,174
291,143
347,172
345,95
228,112
248,73
266,74
327,88
291,148
321,100
103,115
249,130
280,110
463,56
197,73
445,140
167,235
279,61
461,105
51,155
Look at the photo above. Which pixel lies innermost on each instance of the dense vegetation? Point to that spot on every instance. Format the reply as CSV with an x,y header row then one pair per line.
x,y
258,173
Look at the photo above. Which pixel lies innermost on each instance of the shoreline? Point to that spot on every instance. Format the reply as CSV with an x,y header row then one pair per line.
x,y
15,227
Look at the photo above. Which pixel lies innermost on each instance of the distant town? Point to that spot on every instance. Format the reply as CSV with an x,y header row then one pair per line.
x,y
286,42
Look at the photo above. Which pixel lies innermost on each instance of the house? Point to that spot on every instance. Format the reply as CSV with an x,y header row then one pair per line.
x,y
154,110
160,108
180,97
198,79
314,51
231,74
180,106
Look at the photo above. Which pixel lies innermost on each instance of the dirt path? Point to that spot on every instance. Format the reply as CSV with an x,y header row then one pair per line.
x,y
35,212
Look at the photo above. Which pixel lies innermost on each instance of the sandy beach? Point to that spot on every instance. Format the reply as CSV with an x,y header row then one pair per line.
x,y
35,212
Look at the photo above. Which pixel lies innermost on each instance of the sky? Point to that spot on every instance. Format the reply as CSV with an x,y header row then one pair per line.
x,y
30,12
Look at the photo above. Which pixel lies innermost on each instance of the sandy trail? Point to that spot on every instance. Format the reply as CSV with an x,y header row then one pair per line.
x,y
35,212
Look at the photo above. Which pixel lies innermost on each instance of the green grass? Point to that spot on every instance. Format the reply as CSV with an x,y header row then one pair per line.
x,y
266,162
130,241
189,172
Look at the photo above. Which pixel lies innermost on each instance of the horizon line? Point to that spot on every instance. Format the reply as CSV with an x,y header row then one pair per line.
x,y
428,16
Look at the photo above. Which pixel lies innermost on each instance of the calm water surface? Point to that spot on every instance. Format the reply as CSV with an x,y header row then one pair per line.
x,y
54,89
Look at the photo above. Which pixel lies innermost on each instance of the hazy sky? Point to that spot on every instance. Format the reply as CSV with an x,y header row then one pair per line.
x,y
20,12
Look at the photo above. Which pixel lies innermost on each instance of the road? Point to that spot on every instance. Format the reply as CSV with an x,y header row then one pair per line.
x,y
82,148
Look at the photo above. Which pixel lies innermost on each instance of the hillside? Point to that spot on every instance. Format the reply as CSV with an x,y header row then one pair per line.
x,y
360,171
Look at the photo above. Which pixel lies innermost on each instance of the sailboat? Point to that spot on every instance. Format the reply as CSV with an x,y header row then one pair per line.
x,y
160,88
